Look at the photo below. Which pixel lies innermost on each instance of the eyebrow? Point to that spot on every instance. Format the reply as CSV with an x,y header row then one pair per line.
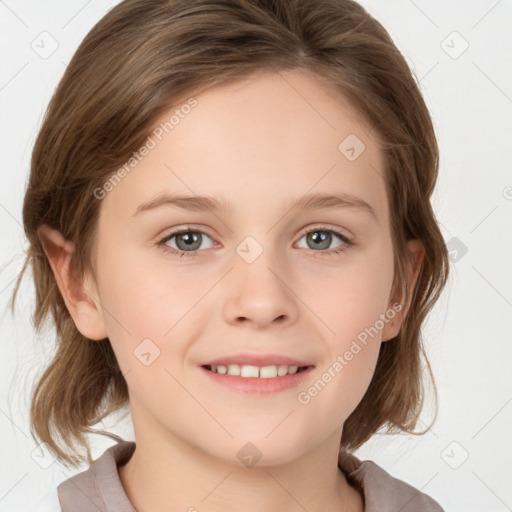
x,y
207,203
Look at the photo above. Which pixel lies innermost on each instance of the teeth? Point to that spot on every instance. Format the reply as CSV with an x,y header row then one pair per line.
x,y
267,372
233,369
246,370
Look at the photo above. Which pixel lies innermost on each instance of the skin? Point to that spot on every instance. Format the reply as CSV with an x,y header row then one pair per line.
x,y
259,145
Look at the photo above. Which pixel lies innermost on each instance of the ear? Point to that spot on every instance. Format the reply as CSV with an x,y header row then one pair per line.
x,y
81,298
392,326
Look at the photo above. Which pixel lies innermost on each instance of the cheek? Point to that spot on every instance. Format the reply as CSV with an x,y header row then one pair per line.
x,y
352,298
341,380
147,309
353,307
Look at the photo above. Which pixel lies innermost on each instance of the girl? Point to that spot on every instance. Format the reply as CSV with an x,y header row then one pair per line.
x,y
230,225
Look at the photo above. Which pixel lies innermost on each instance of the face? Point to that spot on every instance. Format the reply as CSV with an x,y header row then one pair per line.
x,y
255,274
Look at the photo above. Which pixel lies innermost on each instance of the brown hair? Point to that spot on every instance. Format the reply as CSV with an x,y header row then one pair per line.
x,y
137,61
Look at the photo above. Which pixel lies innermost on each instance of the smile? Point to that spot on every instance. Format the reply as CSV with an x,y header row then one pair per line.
x,y
263,372
257,380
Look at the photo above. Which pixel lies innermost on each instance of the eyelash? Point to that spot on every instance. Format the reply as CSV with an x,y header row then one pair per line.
x,y
191,254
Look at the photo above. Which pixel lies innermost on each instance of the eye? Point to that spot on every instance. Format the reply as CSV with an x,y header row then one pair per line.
x,y
320,238
188,241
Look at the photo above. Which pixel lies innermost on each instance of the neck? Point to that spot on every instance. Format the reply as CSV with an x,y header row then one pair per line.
x,y
174,475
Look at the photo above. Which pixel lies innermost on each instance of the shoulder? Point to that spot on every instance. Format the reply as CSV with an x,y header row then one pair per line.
x,y
99,487
382,492
48,503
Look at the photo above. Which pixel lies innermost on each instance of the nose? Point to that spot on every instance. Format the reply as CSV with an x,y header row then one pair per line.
x,y
260,293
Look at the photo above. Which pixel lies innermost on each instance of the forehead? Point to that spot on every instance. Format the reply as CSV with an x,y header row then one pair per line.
x,y
268,139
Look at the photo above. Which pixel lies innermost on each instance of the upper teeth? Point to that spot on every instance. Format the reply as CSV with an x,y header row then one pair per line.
x,y
247,370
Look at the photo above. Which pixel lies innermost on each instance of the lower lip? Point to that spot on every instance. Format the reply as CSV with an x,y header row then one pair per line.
x,y
258,385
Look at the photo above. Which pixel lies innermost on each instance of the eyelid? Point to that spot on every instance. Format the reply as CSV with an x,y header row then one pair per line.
x,y
319,226
338,232
328,227
183,229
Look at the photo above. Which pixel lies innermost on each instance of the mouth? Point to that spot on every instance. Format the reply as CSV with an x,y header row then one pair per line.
x,y
257,380
261,372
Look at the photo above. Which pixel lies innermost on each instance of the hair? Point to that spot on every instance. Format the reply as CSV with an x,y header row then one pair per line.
x,y
141,58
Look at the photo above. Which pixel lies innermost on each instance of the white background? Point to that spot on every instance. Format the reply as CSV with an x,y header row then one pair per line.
x,y
464,460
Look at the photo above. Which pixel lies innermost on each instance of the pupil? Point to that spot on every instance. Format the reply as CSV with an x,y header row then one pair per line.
x,y
320,236
189,239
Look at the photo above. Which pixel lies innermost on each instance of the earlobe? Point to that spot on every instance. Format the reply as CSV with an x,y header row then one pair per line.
x,y
80,298
397,301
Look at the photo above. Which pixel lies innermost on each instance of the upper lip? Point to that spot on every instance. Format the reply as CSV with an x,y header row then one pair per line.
x,y
256,360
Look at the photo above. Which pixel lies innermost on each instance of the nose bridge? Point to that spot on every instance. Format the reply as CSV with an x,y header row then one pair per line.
x,y
259,291
258,259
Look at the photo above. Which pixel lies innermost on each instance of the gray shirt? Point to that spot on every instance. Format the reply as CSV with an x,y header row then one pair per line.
x,y
99,488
